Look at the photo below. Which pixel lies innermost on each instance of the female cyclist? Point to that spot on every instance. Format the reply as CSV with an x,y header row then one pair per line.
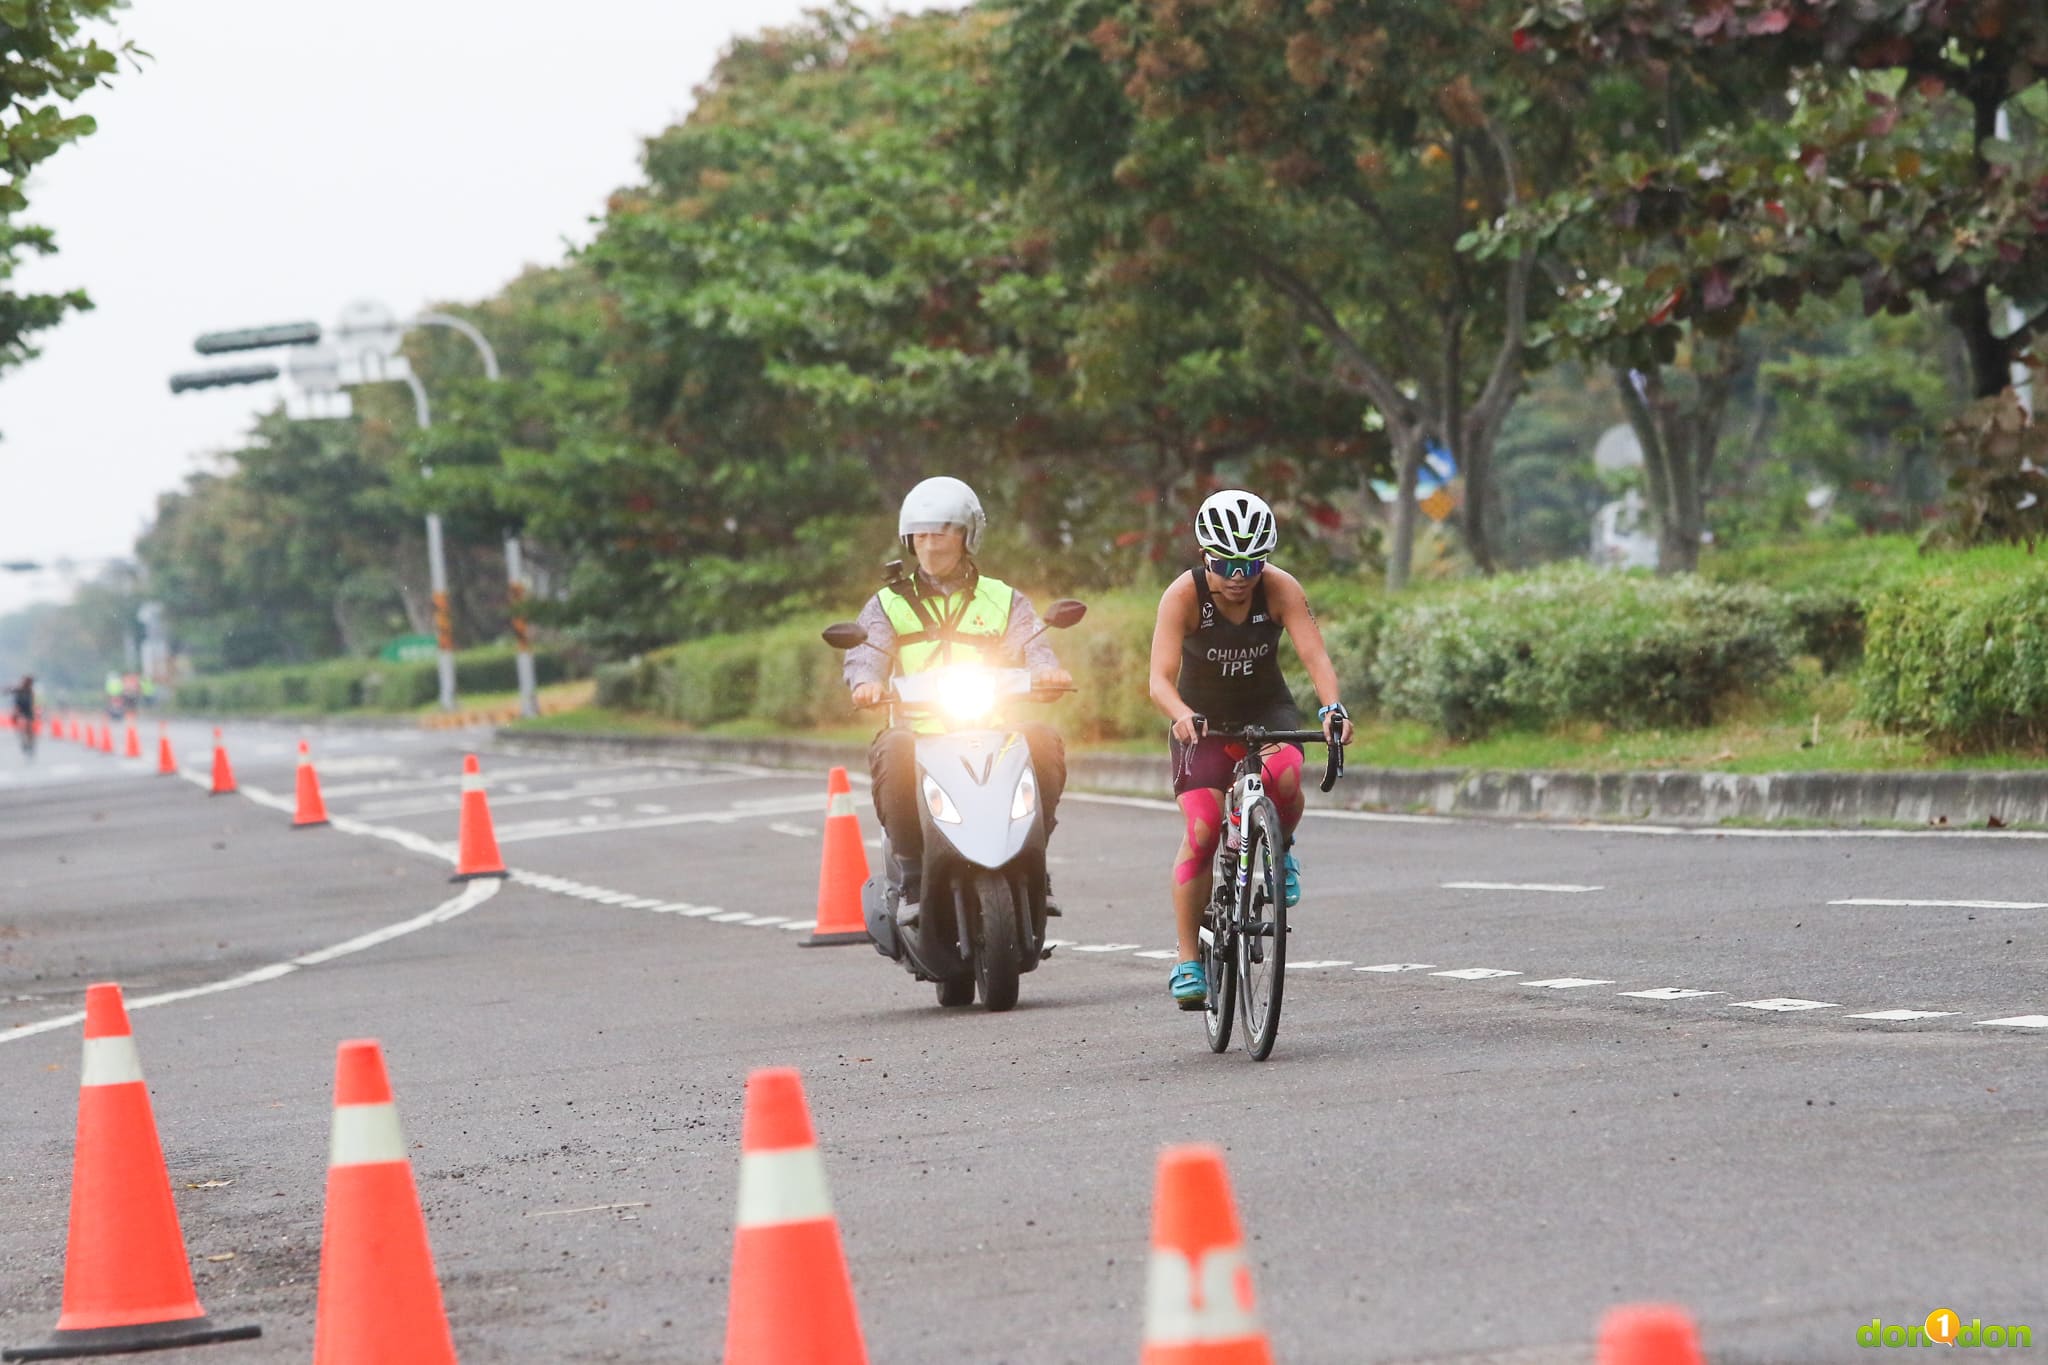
x,y
1216,655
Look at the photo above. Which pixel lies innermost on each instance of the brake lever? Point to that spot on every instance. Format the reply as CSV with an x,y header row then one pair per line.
x,y
1334,769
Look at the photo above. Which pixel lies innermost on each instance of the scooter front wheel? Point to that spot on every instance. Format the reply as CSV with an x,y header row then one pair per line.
x,y
995,956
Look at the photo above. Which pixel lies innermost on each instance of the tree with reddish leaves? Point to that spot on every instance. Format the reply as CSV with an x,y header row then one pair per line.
x,y
1866,148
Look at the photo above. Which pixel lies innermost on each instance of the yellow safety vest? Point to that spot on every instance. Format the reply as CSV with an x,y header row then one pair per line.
x,y
970,626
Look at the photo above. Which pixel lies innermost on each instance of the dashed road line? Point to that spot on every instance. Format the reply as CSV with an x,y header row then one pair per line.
x,y
1948,905
1561,887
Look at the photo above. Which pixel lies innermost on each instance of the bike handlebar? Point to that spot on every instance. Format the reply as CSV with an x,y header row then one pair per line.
x,y
1259,734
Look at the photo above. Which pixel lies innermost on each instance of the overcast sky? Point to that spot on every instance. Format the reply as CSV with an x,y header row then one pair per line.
x,y
274,161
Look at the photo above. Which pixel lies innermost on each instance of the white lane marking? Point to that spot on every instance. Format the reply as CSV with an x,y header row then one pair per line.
x,y
1566,983
1476,973
1519,886
601,802
473,895
799,926
1106,947
700,911
1154,803
732,916
652,810
1397,967
2017,1021
1163,954
1573,826
1314,964
794,831
1951,905
761,921
522,794
1669,993
450,780
1905,1014
641,903
551,829
1781,1004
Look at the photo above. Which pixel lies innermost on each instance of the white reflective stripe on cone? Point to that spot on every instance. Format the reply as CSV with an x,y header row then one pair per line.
x,y
472,782
365,1134
783,1187
111,1061
1174,1313
842,804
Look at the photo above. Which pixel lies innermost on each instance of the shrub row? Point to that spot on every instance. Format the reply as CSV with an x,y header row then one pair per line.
x,y
366,684
1962,660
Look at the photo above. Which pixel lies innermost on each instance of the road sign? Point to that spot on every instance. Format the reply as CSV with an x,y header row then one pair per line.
x,y
372,367
315,369
258,338
365,326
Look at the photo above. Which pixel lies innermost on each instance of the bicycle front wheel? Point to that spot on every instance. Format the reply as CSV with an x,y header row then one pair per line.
x,y
1262,934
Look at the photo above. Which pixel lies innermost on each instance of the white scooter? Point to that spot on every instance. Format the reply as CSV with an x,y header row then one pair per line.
x,y
982,912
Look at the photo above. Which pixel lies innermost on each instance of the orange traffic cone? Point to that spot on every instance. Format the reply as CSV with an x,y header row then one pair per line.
x,y
379,1302
312,810
785,1243
1648,1334
223,775
127,1281
476,845
845,868
105,743
166,765
1198,1291
132,747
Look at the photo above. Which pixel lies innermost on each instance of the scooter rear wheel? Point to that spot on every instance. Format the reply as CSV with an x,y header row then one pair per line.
x,y
957,992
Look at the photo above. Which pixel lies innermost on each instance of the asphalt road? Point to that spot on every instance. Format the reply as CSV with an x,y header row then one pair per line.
x,y
1611,1066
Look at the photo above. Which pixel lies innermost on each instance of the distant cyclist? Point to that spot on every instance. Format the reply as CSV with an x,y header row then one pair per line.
x,y
23,695
1216,654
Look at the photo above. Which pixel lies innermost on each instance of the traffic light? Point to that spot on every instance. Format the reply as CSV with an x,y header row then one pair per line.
x,y
223,378
258,338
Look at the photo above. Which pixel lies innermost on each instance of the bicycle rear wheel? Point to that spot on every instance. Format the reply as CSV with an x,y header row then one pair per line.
x,y
1262,937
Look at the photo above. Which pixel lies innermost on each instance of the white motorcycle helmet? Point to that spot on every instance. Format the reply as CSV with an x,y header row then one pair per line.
x,y
937,504
1234,524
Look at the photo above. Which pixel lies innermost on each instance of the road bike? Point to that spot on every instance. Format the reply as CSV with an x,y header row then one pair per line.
x,y
1243,935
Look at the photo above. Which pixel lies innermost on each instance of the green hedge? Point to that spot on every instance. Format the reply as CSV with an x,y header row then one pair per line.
x,y
1577,644
366,684
1962,659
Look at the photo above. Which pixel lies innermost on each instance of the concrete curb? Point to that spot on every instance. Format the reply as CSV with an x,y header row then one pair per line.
x,y
1954,800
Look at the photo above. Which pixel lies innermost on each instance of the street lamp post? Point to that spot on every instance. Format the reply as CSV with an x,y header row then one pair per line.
x,y
366,346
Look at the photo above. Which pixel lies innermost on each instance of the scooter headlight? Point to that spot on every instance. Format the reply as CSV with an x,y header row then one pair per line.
x,y
967,693
941,805
1026,799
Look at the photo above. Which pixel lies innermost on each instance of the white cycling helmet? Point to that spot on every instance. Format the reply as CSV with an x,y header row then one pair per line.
x,y
937,504
1234,524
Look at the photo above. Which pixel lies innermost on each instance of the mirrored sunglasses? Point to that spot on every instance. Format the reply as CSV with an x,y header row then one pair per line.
x,y
1236,568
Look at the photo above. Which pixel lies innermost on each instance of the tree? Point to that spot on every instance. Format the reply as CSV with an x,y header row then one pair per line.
x,y
1876,157
45,65
287,552
1333,156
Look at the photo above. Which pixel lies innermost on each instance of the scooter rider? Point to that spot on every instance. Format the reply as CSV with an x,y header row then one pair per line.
x,y
946,611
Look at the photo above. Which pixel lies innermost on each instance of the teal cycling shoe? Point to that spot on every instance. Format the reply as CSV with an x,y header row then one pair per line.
x,y
1189,986
1293,882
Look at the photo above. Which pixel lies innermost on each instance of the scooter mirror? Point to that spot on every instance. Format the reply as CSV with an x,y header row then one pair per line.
x,y
1065,612
845,635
